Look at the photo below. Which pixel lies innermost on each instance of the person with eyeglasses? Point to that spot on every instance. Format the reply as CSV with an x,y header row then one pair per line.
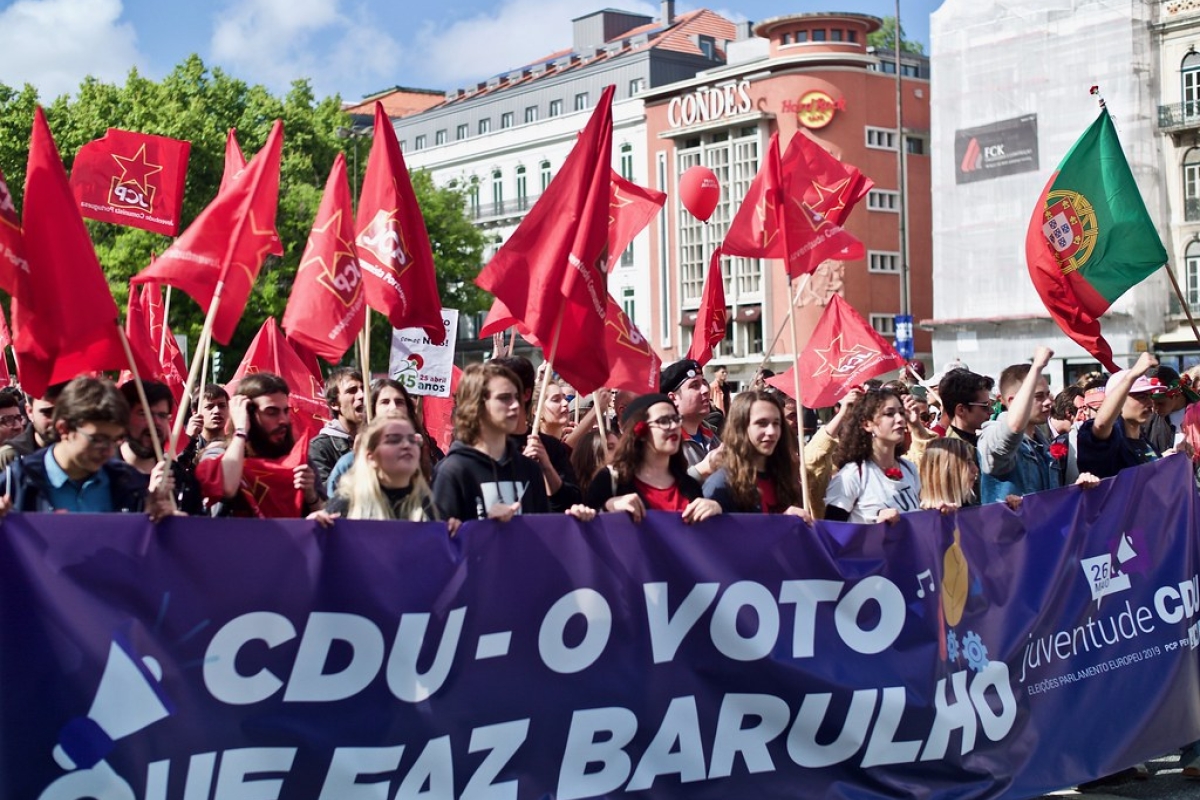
x,y
649,471
873,483
485,474
79,473
12,421
385,481
761,471
39,429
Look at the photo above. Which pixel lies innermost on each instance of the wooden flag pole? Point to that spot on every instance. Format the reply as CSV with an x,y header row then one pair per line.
x,y
162,339
541,403
601,423
1182,300
799,411
141,391
366,365
197,362
789,321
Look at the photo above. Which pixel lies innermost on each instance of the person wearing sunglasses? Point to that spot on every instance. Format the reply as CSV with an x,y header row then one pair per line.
x,y
649,471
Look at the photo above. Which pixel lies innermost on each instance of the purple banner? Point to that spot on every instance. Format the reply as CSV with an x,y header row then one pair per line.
x,y
989,654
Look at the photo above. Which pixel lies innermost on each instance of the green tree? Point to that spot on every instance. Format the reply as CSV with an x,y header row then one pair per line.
x,y
885,39
200,105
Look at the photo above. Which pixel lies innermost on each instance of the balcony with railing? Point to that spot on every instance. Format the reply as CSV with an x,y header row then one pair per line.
x,y
507,209
1179,117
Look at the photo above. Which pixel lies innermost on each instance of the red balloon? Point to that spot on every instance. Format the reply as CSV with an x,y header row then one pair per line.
x,y
699,191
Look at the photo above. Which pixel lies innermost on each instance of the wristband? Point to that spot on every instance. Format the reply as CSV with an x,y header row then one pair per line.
x,y
240,433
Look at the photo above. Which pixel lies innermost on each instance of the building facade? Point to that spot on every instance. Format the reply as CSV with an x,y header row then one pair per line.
x,y
806,75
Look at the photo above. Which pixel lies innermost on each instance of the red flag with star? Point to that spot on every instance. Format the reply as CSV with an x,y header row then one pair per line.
x,y
393,245
235,161
227,244
270,352
711,318
137,331
632,209
12,245
326,309
775,220
834,188
131,178
554,266
267,489
632,362
64,316
166,350
843,351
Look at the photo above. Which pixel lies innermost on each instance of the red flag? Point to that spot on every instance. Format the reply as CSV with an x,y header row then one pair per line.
x,y
633,364
632,209
712,318
833,188
270,352
166,350
842,352
775,221
267,486
228,242
554,265
326,309
134,179
393,245
12,247
141,344
235,162
64,315
439,413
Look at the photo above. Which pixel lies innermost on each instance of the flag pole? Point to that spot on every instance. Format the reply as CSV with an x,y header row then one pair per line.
x,y
198,361
785,323
162,339
799,410
366,364
541,403
1182,302
600,414
141,392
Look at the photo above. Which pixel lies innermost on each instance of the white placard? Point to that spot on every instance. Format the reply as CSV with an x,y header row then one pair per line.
x,y
424,367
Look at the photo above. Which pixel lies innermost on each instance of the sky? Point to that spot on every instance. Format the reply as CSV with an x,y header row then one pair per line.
x,y
347,47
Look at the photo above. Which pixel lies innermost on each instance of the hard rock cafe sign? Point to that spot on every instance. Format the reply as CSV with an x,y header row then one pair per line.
x,y
815,109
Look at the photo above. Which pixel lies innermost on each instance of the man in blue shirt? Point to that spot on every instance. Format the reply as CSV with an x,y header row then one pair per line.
x,y
1112,441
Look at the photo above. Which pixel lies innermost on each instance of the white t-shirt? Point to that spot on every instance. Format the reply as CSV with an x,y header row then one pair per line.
x,y
864,491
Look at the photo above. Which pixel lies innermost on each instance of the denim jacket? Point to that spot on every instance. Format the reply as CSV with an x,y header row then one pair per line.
x,y
1013,463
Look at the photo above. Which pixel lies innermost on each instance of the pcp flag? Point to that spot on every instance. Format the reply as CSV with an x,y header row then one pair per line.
x,y
393,245
227,244
632,209
833,188
553,268
131,178
1090,238
64,316
843,352
712,318
632,362
326,309
12,246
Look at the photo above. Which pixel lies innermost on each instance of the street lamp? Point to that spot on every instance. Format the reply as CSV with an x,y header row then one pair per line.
x,y
356,133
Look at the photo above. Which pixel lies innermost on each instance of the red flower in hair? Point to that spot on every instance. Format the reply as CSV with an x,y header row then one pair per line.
x,y
895,473
641,429
1059,450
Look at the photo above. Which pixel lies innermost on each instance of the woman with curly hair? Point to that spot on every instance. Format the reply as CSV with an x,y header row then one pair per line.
x,y
649,469
873,483
759,473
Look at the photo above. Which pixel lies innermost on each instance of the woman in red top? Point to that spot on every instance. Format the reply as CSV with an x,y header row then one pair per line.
x,y
649,470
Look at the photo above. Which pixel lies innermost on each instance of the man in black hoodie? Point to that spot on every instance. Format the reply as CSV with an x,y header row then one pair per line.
x,y
484,476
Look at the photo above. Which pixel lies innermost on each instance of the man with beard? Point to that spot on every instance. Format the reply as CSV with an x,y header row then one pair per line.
x,y
347,403
259,473
138,448
39,432
78,472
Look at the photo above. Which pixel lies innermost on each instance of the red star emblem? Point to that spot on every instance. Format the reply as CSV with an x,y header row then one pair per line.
x,y
342,278
836,361
136,172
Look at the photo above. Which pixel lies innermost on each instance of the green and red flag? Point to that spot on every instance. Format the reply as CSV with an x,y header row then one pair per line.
x,y
1091,239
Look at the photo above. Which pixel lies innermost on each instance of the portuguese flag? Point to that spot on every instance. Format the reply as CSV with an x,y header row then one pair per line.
x,y
1091,239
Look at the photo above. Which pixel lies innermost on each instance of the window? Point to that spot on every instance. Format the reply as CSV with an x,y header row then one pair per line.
x,y
627,256
818,36
883,200
462,132
556,108
485,125
801,37
506,120
497,191
881,138
627,162
1192,265
884,324
708,47
546,175
530,114
1189,76
883,262
522,190
473,198
835,35
1191,185
404,145
914,145
785,39
581,101
637,85
628,301
440,137
851,36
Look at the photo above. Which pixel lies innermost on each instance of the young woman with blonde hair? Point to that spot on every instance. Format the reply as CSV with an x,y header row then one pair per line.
x,y
948,472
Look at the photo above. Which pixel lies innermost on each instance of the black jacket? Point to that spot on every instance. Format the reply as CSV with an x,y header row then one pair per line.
x,y
468,482
30,484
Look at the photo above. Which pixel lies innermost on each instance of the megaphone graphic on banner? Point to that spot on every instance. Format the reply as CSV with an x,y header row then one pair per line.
x,y
128,699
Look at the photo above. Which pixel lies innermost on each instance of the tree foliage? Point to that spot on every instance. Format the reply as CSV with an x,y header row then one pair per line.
x,y
885,39
200,105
